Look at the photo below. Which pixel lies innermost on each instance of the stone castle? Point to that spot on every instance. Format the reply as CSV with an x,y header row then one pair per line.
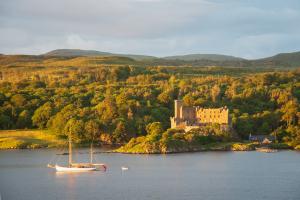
x,y
188,118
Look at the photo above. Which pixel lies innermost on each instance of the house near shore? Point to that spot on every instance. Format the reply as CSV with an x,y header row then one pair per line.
x,y
263,139
191,117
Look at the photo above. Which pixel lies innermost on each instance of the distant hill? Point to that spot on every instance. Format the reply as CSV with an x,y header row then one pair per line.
x,y
282,60
15,61
77,57
80,52
285,59
75,52
212,57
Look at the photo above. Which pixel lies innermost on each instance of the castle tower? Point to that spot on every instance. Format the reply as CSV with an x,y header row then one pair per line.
x,y
178,105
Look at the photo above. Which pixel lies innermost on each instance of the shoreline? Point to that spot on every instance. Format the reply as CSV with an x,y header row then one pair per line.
x,y
214,147
43,139
152,153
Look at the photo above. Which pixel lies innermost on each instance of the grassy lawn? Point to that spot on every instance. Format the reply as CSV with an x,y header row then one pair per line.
x,y
20,139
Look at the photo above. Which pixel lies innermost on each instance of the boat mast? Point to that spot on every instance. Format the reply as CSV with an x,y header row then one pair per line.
x,y
70,150
91,153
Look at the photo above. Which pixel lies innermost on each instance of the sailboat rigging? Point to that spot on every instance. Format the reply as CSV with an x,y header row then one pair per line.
x,y
79,167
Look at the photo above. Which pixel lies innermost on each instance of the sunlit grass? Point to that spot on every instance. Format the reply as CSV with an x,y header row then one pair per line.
x,y
18,139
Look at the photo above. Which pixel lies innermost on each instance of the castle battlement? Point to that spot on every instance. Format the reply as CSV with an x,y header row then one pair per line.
x,y
188,117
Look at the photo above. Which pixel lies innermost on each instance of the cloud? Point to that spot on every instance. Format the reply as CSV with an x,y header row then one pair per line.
x,y
109,18
156,27
75,41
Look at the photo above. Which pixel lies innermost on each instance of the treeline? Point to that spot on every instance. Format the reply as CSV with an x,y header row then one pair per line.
x,y
116,103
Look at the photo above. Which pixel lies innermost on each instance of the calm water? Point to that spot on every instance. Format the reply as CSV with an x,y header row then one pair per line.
x,y
207,176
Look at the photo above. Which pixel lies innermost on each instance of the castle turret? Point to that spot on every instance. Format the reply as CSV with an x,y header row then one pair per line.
x,y
178,105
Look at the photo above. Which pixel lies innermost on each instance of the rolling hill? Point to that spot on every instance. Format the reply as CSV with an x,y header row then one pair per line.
x,y
80,52
212,57
17,61
77,57
189,57
76,52
287,59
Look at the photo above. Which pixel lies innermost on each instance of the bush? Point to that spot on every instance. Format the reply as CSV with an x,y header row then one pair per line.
x,y
280,146
242,147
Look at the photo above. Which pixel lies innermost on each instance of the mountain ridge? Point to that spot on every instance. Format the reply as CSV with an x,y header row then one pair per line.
x,y
284,60
187,57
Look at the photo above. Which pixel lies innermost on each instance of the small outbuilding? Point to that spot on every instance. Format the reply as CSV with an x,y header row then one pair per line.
x,y
264,139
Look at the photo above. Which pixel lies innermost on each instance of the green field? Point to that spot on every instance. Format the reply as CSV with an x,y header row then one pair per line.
x,y
22,139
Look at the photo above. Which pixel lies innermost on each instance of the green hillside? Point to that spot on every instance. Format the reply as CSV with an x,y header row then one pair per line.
x,y
286,59
17,61
212,57
76,52
79,52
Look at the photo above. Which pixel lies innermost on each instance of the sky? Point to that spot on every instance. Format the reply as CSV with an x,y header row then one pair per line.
x,y
244,28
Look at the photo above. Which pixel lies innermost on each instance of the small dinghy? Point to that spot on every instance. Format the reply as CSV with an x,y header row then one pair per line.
x,y
124,168
266,150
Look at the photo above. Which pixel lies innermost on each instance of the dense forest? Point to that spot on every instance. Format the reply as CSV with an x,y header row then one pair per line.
x,y
114,102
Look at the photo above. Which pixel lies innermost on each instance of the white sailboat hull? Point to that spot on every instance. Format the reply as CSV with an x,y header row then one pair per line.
x,y
74,169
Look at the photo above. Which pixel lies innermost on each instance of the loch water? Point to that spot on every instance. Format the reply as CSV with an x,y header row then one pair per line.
x,y
186,176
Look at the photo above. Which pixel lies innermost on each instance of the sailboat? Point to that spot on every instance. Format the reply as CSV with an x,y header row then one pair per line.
x,y
79,167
